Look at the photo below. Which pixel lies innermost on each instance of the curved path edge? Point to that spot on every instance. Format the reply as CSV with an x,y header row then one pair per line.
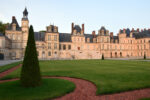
x,y
86,90
2,74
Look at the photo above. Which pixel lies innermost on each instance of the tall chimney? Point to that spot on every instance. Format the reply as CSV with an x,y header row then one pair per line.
x,y
124,30
138,30
111,34
119,31
132,30
13,18
141,30
83,28
94,35
72,27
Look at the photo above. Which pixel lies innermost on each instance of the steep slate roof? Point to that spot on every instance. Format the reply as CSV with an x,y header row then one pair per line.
x,y
14,21
64,37
103,28
127,32
138,35
2,35
115,38
88,36
25,12
78,28
143,34
39,36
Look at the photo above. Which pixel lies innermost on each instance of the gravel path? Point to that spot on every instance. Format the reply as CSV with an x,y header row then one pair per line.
x,y
5,62
86,90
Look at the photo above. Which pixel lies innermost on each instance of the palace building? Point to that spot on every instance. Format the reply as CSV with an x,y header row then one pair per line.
x,y
52,44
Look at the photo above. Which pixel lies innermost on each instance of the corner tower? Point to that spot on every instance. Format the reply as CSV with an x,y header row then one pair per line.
x,y
25,27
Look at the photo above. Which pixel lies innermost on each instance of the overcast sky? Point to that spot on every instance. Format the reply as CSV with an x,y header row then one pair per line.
x,y
113,14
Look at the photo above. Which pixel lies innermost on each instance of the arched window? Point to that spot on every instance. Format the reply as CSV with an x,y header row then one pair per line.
x,y
55,52
116,54
120,54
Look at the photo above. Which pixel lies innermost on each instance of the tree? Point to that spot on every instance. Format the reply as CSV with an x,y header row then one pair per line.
x,y
102,57
144,56
3,27
30,73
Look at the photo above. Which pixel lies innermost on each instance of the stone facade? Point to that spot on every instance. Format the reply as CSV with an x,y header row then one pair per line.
x,y
52,44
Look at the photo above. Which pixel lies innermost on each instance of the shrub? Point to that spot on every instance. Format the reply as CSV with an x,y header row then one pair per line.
x,y
102,57
30,72
144,56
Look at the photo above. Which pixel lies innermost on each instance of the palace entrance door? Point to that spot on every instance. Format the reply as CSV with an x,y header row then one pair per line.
x,y
1,56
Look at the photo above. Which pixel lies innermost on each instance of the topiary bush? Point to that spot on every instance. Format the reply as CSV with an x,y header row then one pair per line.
x,y
103,57
144,56
30,72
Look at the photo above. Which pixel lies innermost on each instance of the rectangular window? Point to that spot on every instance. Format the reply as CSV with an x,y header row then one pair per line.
x,y
69,47
64,47
59,46
49,53
49,37
55,37
49,45
55,46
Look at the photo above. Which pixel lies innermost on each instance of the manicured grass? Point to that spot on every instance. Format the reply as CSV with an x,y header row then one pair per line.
x,y
110,76
51,88
6,67
146,99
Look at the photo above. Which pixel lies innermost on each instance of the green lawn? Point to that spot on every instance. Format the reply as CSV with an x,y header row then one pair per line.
x,y
6,67
146,99
110,76
50,88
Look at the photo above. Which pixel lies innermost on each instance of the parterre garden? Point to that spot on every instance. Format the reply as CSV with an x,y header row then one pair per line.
x,y
110,76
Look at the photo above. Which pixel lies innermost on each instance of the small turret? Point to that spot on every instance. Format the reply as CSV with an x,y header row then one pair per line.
x,y
93,34
138,30
25,27
25,14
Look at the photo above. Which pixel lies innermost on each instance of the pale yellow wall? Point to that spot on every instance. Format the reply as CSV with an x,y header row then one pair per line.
x,y
80,47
